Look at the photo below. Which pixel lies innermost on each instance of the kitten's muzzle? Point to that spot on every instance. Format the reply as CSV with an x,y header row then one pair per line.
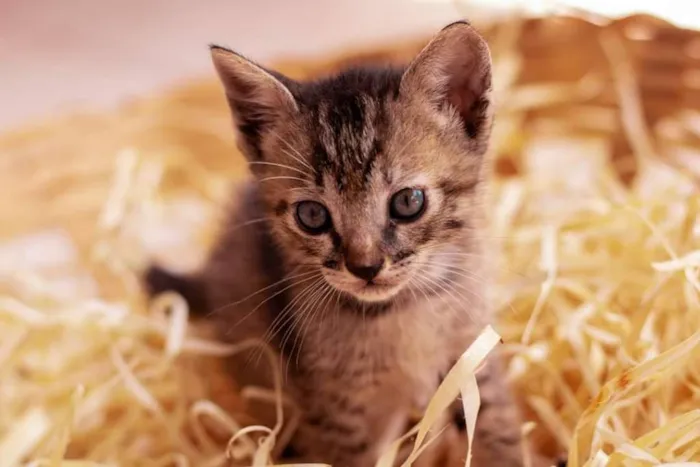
x,y
364,271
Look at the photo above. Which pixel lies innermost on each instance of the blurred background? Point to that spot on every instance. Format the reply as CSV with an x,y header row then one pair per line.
x,y
88,54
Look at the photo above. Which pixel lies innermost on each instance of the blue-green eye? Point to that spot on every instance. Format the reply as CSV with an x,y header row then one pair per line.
x,y
313,217
407,204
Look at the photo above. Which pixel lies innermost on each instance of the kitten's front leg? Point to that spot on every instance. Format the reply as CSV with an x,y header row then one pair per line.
x,y
338,429
334,440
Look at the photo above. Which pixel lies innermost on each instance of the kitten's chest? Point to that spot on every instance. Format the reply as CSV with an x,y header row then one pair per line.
x,y
399,356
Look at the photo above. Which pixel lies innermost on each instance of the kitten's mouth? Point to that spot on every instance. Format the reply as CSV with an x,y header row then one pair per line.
x,y
372,292
377,292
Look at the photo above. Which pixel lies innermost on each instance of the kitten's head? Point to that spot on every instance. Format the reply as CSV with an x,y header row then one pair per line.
x,y
371,177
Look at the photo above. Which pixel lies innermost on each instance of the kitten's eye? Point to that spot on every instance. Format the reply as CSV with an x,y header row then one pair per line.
x,y
313,217
407,204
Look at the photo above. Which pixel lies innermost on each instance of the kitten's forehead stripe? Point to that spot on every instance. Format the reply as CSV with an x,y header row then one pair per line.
x,y
348,114
326,132
375,132
321,162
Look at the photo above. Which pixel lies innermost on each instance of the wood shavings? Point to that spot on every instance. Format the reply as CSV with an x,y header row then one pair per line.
x,y
598,292
28,430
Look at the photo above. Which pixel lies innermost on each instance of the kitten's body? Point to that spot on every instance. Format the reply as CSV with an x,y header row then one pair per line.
x,y
362,352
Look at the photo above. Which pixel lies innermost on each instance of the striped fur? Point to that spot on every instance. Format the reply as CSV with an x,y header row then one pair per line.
x,y
361,356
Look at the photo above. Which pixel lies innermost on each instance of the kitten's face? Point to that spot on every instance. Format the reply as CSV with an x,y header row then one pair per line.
x,y
382,191
372,177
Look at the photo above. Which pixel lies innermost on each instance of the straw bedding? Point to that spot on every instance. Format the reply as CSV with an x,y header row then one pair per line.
x,y
595,211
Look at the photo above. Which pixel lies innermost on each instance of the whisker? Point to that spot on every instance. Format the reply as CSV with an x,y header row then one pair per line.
x,y
455,269
318,310
303,274
298,320
247,223
467,255
288,148
251,312
405,146
293,319
449,291
457,253
430,282
295,154
283,177
462,273
420,286
410,289
283,166
461,253
285,314
336,306
338,294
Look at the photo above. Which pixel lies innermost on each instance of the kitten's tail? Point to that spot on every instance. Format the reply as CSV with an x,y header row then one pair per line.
x,y
158,280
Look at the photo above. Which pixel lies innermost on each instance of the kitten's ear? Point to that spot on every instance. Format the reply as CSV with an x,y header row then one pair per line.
x,y
257,97
454,72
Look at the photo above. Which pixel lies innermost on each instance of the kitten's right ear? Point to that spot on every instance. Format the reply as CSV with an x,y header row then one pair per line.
x,y
257,97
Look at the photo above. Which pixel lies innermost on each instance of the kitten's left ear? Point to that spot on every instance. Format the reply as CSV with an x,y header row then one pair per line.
x,y
454,72
258,98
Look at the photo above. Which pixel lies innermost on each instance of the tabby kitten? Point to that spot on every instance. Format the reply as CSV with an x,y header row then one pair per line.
x,y
357,250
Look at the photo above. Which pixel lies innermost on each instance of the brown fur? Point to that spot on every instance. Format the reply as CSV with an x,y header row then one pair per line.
x,y
360,358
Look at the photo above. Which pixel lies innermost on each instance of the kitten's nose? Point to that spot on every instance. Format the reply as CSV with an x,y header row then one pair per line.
x,y
365,271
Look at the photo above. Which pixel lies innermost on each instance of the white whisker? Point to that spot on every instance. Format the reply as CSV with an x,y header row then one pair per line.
x,y
282,177
288,147
296,155
318,310
449,291
456,269
286,314
284,279
271,297
468,255
247,223
283,166
428,281
420,285
338,294
453,269
281,320
298,321
405,146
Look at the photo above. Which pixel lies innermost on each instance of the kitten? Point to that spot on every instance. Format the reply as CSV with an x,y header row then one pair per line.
x,y
357,250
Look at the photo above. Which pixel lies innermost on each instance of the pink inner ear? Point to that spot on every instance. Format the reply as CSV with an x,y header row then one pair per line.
x,y
468,79
466,91
461,96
